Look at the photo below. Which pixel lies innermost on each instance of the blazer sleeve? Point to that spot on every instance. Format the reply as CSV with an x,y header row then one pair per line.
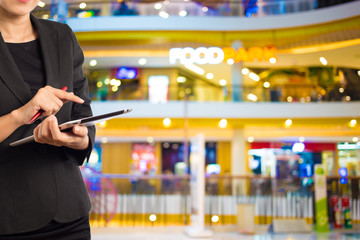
x,y
81,89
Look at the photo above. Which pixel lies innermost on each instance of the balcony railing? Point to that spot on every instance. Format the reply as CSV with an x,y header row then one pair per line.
x,y
256,8
312,85
302,93
163,200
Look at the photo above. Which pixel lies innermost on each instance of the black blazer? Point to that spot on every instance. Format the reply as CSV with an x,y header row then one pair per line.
x,y
39,182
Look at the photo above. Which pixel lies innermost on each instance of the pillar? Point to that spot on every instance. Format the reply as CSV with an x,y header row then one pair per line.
x,y
239,160
236,78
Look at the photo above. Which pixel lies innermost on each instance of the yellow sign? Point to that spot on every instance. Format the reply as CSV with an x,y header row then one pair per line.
x,y
249,55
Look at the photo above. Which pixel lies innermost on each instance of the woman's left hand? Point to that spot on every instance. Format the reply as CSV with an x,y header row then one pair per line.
x,y
48,132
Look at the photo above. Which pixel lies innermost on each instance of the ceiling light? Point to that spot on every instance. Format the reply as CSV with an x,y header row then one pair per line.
x,y
252,97
158,6
230,61
222,82
223,123
195,69
181,79
163,14
102,124
359,73
355,139
113,82
93,63
114,88
99,84
205,9
289,99
215,218
209,75
266,84
250,139
182,13
152,218
272,60
245,71
41,4
142,61
167,122
353,122
107,81
323,61
254,76
302,139
82,5
288,122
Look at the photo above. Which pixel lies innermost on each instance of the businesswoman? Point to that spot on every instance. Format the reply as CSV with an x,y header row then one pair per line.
x,y
42,193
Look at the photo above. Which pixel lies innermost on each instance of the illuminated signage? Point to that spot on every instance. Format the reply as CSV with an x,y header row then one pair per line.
x,y
126,73
249,55
201,55
298,147
215,55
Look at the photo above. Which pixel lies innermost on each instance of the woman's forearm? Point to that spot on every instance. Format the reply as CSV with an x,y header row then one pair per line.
x,y
8,124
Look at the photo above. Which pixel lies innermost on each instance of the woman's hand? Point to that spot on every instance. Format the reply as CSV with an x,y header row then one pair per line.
x,y
48,99
48,132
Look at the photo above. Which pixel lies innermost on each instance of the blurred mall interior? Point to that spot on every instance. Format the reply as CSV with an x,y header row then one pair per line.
x,y
264,95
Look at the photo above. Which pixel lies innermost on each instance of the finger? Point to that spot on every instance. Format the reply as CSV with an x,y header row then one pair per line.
x,y
44,132
51,106
36,133
66,96
39,135
80,131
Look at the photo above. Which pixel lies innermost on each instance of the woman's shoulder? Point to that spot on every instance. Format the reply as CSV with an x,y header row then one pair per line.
x,y
53,25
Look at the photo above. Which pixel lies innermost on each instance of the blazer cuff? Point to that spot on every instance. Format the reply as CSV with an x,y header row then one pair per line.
x,y
79,155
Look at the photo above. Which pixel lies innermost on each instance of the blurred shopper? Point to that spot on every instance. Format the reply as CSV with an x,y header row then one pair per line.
x,y
43,195
227,182
135,174
336,93
344,89
168,184
211,186
123,9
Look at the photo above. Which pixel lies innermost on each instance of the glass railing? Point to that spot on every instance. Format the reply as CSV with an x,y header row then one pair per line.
x,y
254,8
165,200
314,84
291,93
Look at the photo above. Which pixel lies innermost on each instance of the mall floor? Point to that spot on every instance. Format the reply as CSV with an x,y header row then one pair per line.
x,y
177,233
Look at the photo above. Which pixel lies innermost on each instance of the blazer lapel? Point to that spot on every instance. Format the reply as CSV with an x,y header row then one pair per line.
x,y
49,42
11,75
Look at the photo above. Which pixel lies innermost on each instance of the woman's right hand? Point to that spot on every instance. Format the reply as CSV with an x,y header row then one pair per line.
x,y
48,99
